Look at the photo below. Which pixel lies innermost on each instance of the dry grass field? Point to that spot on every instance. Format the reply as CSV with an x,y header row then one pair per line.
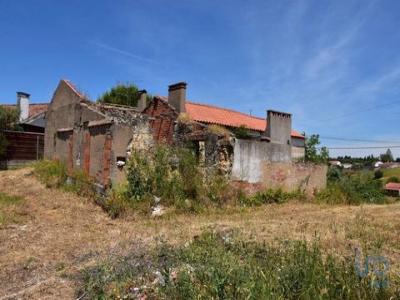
x,y
54,234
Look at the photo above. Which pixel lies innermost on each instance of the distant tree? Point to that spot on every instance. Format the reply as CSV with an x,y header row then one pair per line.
x,y
398,159
312,154
8,121
387,157
378,174
123,94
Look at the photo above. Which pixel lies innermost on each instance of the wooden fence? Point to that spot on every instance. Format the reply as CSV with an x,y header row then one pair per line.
x,y
23,146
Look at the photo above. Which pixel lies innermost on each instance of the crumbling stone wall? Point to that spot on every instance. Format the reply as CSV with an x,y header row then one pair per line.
x,y
92,137
291,176
270,164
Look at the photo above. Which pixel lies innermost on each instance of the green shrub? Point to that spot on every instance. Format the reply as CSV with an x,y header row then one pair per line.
x,y
223,266
378,174
174,175
353,189
334,174
241,132
393,179
269,196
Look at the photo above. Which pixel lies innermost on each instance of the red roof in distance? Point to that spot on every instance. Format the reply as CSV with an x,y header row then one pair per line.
x,y
394,186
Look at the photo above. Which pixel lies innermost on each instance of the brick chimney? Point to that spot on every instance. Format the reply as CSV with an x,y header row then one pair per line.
x,y
279,127
142,102
23,105
177,96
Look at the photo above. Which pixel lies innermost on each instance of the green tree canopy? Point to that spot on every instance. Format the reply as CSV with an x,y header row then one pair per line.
x,y
122,94
387,157
313,154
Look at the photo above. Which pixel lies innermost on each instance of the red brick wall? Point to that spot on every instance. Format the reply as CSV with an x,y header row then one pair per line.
x,y
107,160
70,157
164,119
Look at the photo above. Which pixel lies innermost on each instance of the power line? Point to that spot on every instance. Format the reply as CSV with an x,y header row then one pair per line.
x,y
356,139
366,147
375,107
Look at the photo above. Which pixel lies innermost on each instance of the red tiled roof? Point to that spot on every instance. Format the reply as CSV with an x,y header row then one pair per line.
x,y
37,108
221,116
34,108
392,186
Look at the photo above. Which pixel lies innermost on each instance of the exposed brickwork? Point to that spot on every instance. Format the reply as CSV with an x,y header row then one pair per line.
x,y
164,119
86,154
70,158
107,160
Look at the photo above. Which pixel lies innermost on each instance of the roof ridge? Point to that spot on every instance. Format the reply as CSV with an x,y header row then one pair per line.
x,y
73,88
226,109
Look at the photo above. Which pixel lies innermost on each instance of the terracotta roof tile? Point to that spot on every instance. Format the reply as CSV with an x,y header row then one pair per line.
x,y
222,116
37,108
34,108
392,186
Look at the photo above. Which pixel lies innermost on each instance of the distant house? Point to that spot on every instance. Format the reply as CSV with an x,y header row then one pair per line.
x,y
347,166
27,144
335,163
393,188
31,115
378,164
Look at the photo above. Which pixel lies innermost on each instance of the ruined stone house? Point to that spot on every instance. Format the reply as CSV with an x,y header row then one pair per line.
x,y
264,151
97,138
91,137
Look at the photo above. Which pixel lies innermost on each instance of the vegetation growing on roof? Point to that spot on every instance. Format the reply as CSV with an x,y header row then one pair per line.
x,y
241,132
218,130
184,118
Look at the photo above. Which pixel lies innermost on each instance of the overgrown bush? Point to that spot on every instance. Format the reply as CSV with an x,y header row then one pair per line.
x,y
224,266
173,174
269,196
378,174
353,189
334,174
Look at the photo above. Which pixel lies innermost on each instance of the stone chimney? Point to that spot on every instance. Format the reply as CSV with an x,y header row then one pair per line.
x,y
142,102
177,96
23,105
279,127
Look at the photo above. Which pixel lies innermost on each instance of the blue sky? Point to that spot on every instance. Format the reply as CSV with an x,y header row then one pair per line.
x,y
334,64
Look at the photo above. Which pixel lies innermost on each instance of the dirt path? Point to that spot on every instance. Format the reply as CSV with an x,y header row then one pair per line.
x,y
63,233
